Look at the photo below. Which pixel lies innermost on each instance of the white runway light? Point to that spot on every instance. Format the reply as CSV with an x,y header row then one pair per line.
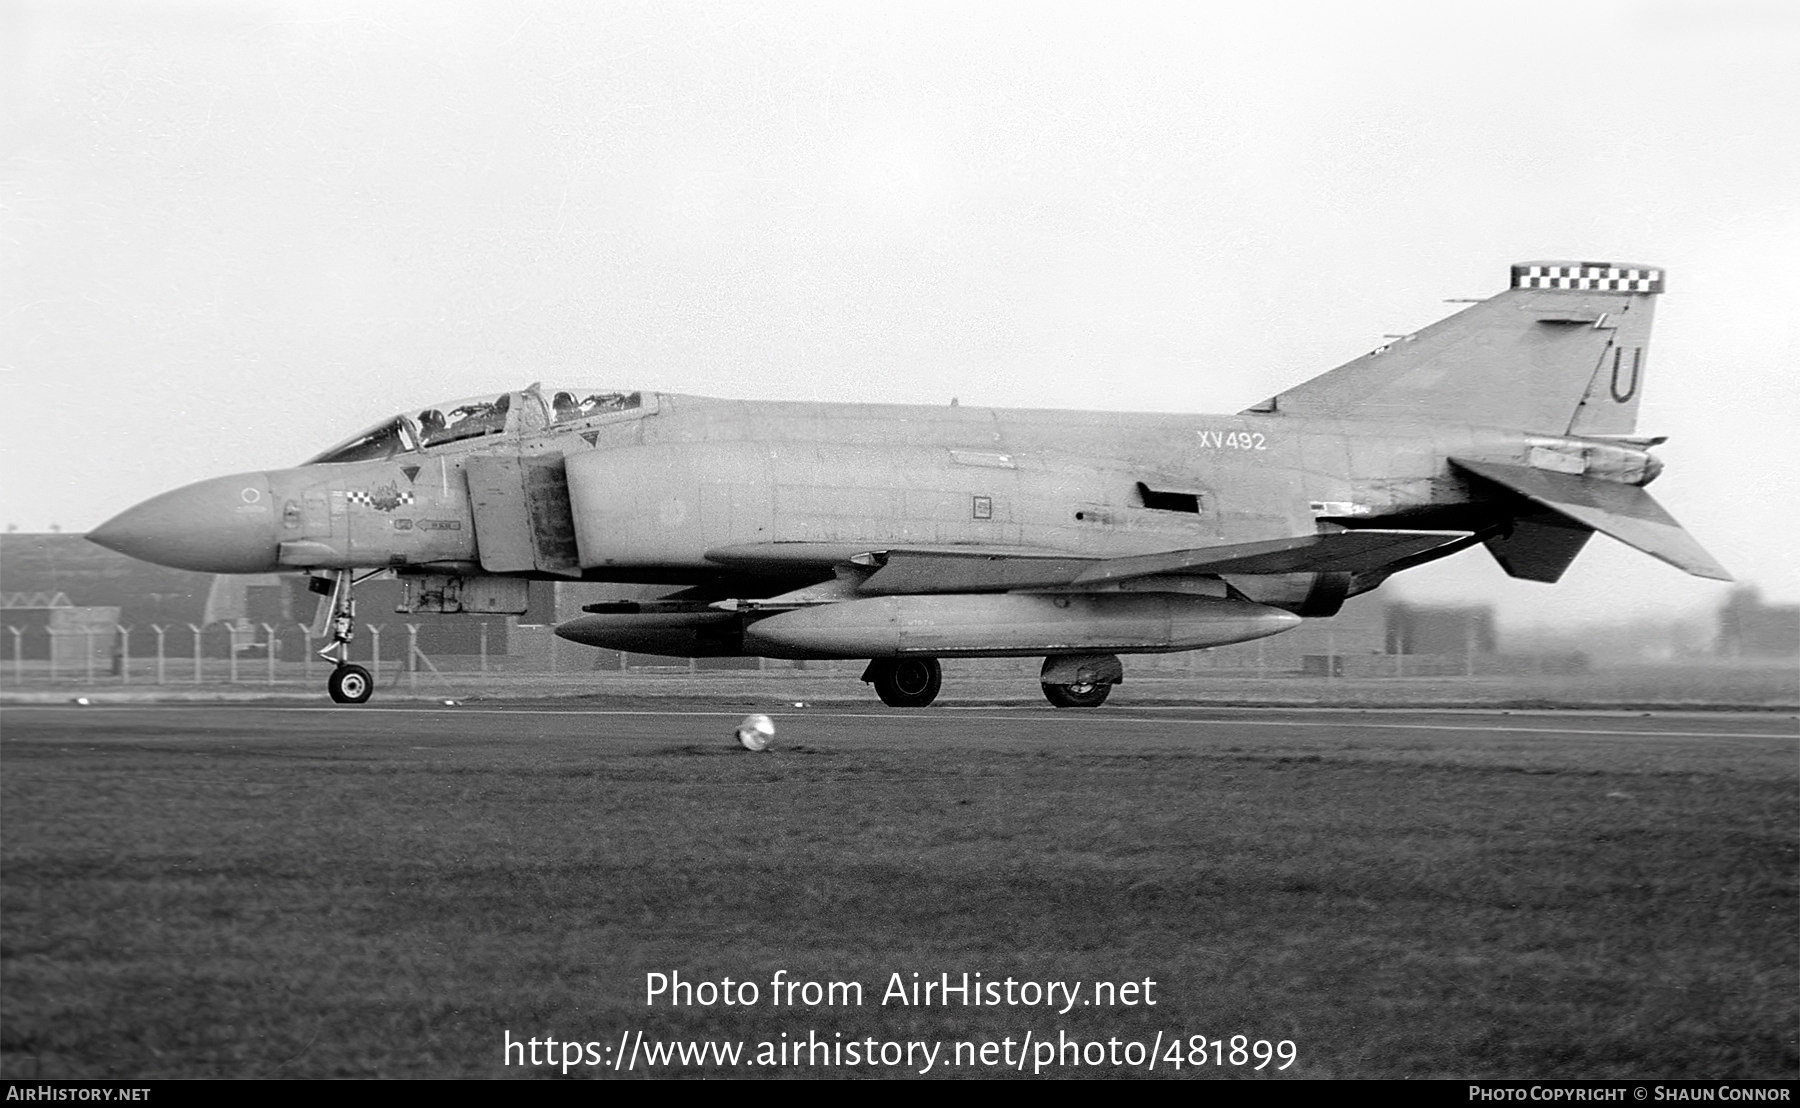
x,y
756,732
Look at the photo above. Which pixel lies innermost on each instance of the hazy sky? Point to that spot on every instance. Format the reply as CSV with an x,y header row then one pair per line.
x,y
232,233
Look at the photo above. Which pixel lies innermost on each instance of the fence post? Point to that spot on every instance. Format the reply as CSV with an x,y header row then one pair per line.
x,y
231,644
52,634
375,653
124,654
269,643
484,627
88,634
18,634
158,628
306,651
412,656
196,631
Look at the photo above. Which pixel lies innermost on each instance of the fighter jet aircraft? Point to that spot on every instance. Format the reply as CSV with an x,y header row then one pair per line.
x,y
909,534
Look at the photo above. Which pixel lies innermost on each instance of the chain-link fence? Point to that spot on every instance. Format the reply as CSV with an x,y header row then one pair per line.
x,y
233,653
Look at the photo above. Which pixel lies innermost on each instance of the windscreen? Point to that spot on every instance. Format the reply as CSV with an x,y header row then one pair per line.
x,y
383,440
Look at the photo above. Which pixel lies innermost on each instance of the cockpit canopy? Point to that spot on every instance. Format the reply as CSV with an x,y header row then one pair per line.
x,y
527,411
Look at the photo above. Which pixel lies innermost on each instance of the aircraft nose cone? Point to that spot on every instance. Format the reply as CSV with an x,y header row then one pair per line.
x,y
225,525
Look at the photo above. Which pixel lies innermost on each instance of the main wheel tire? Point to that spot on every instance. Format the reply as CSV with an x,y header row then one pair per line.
x,y
908,682
1077,696
350,684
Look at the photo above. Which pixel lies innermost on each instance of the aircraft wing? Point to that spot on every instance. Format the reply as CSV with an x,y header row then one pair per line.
x,y
912,570
1345,551
1626,512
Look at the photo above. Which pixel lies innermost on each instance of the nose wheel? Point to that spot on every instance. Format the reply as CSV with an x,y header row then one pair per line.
x,y
350,684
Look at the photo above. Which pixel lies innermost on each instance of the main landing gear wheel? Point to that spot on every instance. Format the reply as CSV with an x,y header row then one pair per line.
x,y
1077,696
350,684
905,682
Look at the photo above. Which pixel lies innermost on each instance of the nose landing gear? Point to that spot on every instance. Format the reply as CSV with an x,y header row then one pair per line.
x,y
348,683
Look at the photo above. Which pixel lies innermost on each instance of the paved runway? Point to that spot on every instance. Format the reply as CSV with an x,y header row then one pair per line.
x,y
849,726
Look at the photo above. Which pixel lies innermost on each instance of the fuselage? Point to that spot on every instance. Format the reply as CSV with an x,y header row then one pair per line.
x,y
665,489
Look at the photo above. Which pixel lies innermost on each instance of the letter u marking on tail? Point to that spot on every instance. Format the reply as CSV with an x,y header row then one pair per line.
x,y
1637,360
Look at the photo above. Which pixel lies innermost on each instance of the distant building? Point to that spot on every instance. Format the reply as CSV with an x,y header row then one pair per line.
x,y
1375,636
1748,628
45,626
1419,629
90,576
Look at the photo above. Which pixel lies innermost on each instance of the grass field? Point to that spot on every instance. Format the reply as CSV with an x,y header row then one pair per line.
x,y
237,891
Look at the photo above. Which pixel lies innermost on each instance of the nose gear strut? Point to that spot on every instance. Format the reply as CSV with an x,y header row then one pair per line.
x,y
348,683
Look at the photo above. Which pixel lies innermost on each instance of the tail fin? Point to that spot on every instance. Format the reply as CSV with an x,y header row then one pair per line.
x,y
1561,352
